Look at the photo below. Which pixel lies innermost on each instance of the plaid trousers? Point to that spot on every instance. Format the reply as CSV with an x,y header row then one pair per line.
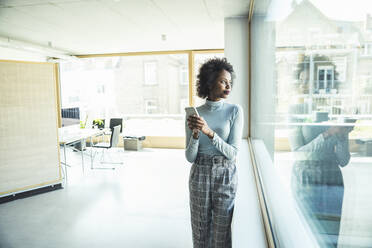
x,y
212,186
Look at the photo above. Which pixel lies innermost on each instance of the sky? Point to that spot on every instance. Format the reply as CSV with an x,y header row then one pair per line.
x,y
355,10
346,10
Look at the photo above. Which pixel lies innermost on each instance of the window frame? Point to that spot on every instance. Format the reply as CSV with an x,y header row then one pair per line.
x,y
149,106
165,141
325,68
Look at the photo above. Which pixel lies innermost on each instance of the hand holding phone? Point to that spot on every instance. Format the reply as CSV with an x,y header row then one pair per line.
x,y
197,123
191,111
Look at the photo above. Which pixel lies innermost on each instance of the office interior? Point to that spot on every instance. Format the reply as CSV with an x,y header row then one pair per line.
x,y
92,116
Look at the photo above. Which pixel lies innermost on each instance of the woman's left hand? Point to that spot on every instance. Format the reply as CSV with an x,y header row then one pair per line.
x,y
199,123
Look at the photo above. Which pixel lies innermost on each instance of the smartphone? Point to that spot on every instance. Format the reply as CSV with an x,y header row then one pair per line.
x,y
191,111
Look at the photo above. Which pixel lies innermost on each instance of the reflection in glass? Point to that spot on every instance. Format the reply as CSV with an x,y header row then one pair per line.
x,y
317,182
316,62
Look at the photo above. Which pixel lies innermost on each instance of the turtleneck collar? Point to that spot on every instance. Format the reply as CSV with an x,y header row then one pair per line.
x,y
214,105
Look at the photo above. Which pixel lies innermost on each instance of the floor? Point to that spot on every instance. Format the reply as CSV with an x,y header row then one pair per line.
x,y
142,203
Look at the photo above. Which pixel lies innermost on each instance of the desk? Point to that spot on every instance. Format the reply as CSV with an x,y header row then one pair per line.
x,y
74,134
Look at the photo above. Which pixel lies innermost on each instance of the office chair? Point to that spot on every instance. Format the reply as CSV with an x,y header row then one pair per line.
x,y
114,140
116,121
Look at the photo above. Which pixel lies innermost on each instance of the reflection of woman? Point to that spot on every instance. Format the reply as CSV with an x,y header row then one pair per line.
x,y
316,176
212,142
317,181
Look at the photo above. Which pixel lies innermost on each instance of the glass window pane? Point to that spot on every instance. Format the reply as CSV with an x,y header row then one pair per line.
x,y
144,90
184,75
150,73
321,79
312,107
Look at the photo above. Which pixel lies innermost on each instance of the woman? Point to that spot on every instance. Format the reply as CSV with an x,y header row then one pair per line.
x,y
319,151
212,142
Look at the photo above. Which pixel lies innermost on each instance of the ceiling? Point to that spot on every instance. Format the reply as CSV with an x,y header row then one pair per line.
x,y
113,26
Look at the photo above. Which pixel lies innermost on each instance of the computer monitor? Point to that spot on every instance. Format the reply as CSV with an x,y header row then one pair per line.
x,y
70,116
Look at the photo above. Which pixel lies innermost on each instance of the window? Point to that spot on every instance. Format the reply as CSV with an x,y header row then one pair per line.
x,y
122,90
311,111
151,106
325,79
368,85
367,49
151,73
183,104
184,75
73,100
100,88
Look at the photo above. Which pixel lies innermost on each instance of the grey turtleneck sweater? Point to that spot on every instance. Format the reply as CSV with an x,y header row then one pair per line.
x,y
226,120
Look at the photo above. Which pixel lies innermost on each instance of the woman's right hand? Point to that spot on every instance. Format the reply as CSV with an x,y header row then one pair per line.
x,y
333,130
192,126
339,131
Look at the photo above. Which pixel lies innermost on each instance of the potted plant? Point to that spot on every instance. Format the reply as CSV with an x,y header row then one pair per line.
x,y
99,123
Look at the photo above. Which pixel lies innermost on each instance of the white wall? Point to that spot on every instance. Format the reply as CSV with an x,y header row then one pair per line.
x,y
236,52
13,54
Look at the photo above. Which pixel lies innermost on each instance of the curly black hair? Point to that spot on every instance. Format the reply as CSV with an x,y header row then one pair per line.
x,y
208,74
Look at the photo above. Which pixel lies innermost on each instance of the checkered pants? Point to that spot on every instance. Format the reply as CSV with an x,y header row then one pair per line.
x,y
212,186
